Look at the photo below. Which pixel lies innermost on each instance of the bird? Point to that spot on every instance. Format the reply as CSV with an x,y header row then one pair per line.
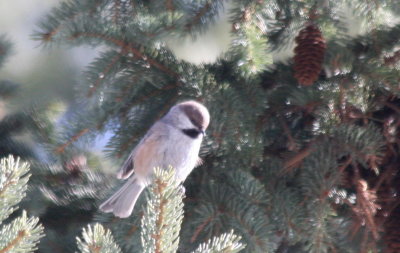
x,y
173,141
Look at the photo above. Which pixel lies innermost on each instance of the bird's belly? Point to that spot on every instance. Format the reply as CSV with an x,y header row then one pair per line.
x,y
182,157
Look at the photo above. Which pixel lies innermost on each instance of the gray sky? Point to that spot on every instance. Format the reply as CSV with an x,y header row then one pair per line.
x,y
18,20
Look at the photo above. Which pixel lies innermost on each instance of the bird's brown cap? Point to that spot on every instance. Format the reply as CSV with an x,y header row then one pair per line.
x,y
197,113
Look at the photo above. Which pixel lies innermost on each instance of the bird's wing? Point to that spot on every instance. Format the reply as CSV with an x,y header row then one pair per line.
x,y
127,168
146,149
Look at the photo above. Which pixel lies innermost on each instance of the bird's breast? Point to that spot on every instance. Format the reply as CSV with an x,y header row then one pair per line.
x,y
182,154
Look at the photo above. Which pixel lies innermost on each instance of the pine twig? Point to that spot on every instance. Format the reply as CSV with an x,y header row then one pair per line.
x,y
292,143
14,242
198,16
200,228
129,47
366,207
107,69
97,239
225,243
48,36
163,214
297,159
154,93
60,149
345,164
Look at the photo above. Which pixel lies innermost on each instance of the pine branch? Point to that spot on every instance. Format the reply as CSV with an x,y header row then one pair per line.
x,y
105,72
160,223
128,47
96,239
142,99
296,160
60,149
199,14
62,17
13,184
163,214
236,202
226,243
196,15
23,233
250,46
251,49
200,228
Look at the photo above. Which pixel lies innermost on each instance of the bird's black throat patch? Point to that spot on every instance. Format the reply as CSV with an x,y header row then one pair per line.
x,y
191,132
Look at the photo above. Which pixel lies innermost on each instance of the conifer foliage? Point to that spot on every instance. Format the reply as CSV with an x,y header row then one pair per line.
x,y
21,234
161,223
290,168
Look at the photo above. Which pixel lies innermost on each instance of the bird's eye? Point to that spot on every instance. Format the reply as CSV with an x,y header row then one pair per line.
x,y
191,132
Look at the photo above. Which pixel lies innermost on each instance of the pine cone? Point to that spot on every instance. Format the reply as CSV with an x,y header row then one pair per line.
x,y
309,55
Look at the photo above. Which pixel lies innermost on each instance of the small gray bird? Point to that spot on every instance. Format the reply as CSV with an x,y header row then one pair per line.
x,y
174,140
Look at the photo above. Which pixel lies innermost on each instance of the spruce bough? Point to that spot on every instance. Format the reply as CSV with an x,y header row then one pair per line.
x,y
160,224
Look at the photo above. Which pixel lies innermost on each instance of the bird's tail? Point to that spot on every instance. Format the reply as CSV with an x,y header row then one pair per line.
x,y
123,201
